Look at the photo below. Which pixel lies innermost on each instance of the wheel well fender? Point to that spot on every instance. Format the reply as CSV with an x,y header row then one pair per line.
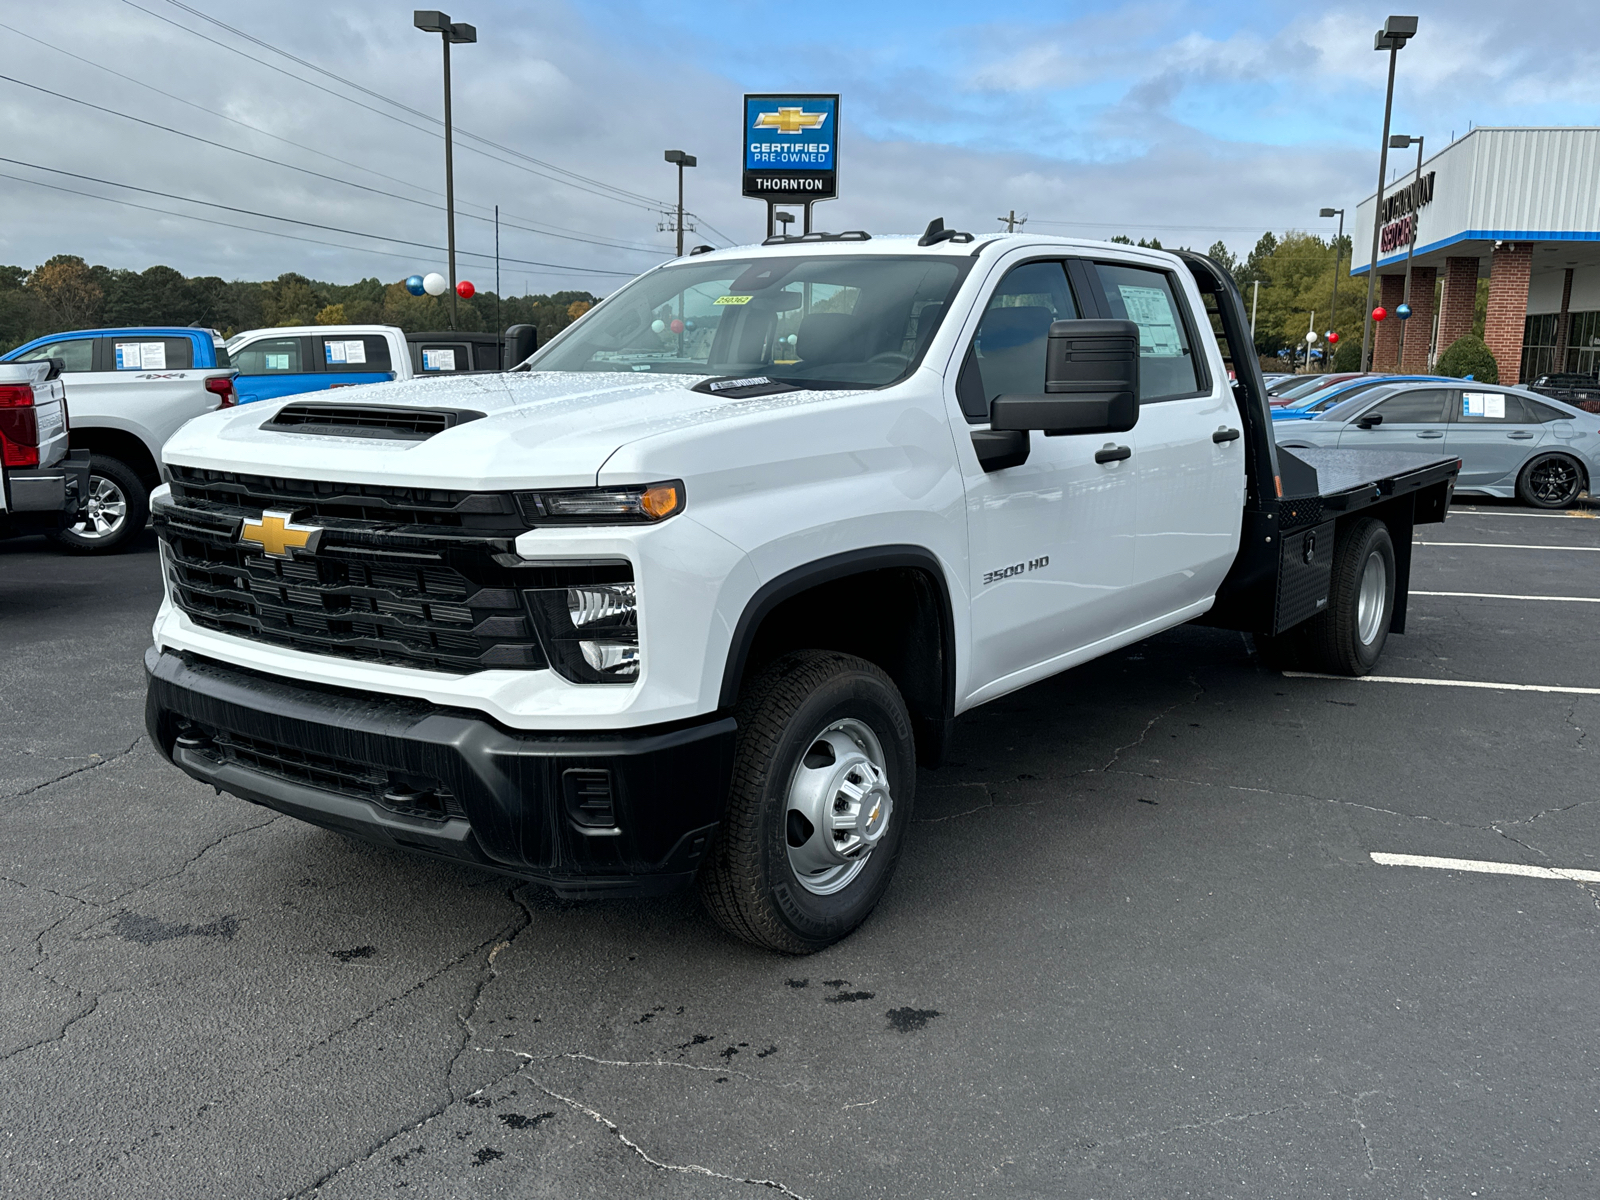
x,y
888,604
122,445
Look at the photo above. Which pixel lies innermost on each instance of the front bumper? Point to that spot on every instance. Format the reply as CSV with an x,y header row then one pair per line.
x,y
449,782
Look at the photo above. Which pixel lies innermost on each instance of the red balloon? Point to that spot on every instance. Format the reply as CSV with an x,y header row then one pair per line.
x,y
1332,338
464,289
1379,313
676,326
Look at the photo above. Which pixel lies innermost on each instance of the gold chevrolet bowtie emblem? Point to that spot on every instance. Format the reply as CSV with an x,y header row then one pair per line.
x,y
277,534
790,120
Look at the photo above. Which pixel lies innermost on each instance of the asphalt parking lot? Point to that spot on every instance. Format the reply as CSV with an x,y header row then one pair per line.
x,y
1138,946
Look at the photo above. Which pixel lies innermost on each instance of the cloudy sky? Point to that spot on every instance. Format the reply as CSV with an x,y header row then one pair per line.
x,y
1188,121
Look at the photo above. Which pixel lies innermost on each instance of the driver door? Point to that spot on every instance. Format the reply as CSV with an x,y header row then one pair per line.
x,y
1415,419
1052,540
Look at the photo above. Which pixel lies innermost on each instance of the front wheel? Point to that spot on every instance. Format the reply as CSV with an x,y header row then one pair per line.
x,y
1550,481
823,778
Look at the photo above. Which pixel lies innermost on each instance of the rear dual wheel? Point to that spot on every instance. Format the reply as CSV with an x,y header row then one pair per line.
x,y
1347,637
823,779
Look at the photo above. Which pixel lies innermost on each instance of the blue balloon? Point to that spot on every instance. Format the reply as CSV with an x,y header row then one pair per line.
x,y
414,285
1402,311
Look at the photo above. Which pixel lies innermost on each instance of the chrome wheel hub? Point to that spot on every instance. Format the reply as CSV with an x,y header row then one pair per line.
x,y
1370,599
838,807
107,510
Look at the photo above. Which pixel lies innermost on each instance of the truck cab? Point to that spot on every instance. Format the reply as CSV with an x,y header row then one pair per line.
x,y
687,597
294,360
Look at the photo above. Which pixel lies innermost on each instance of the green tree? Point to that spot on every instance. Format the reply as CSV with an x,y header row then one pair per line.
x,y
290,299
1468,355
67,291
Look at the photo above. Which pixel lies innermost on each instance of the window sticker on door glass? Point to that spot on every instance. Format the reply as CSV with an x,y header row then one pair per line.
x,y
438,360
345,352
1483,404
334,351
276,362
1150,309
128,357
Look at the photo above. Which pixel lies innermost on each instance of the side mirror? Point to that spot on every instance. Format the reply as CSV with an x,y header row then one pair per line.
x,y
1091,383
57,365
521,341
1370,421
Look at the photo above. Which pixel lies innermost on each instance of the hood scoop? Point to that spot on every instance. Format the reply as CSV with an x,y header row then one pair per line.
x,y
388,421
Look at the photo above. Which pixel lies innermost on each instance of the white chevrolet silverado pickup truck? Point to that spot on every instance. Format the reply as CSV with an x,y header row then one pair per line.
x,y
688,596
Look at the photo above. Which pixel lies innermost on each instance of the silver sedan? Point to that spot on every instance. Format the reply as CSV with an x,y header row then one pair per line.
x,y
1510,442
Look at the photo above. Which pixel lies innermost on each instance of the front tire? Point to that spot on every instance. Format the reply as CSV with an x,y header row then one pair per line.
x,y
823,780
119,506
1550,481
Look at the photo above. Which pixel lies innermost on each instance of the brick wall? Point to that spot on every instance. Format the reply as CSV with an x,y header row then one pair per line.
x,y
1457,301
1419,329
1386,346
1508,307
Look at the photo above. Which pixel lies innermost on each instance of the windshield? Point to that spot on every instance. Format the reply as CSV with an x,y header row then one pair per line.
x,y
850,321
1305,387
1340,395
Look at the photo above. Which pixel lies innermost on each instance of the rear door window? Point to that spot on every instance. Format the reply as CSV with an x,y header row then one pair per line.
x,y
76,353
272,356
1008,350
133,352
1149,299
1492,408
354,354
444,357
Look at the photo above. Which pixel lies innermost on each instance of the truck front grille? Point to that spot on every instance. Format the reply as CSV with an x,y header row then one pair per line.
x,y
434,583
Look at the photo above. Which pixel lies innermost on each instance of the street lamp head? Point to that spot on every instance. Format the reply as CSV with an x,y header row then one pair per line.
x,y
1331,212
1395,33
430,20
679,158
460,32
1399,141
784,219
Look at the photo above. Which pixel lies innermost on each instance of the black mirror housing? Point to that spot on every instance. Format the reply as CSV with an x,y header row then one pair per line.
x,y
521,341
1091,383
1370,421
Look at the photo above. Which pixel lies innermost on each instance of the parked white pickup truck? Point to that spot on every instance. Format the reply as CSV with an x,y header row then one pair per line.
x,y
689,595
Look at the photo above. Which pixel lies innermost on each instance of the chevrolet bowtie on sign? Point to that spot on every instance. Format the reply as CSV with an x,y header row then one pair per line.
x,y
791,148
278,536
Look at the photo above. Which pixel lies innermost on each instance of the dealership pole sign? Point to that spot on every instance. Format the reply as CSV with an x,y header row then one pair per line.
x,y
791,150
1399,214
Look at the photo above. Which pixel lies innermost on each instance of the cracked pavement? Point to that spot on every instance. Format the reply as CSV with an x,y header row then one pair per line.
x,y
1136,948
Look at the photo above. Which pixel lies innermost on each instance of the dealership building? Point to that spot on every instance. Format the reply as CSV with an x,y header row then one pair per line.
x,y
1518,207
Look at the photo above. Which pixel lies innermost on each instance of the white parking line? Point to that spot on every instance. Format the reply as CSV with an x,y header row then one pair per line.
x,y
1498,596
1451,683
1484,867
1569,515
1511,546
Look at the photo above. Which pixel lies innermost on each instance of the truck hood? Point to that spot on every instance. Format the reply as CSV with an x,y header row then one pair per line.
x,y
555,429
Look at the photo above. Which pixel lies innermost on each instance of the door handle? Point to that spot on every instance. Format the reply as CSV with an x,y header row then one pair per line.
x,y
1225,435
1112,454
1431,433
1521,435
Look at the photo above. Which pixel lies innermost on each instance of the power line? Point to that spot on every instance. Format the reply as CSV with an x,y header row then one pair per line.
x,y
304,170
552,230
1148,225
381,237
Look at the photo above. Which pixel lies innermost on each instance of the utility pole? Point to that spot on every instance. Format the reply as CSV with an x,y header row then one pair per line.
x,y
1012,222
433,21
682,160
1392,37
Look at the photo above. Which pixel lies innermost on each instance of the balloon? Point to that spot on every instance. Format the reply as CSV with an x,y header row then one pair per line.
x,y
414,285
1379,313
676,326
658,326
689,324
1403,311
1310,336
464,289
1333,338
791,339
434,283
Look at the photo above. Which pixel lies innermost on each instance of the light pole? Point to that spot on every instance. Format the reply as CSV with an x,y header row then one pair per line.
x,y
682,160
432,21
1400,141
1392,37
1338,253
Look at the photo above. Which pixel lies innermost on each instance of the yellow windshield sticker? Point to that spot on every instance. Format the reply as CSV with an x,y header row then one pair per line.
x,y
731,300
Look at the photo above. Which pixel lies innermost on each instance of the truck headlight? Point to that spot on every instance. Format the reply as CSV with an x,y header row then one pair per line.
x,y
590,632
639,504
